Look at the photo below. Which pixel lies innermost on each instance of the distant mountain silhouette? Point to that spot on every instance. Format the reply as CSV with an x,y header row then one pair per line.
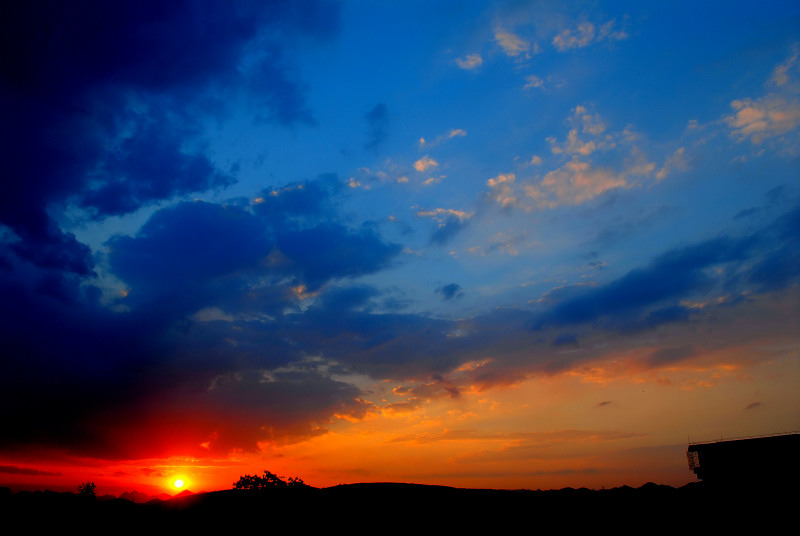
x,y
137,496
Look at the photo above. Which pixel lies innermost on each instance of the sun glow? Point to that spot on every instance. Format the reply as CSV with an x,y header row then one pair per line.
x,y
178,483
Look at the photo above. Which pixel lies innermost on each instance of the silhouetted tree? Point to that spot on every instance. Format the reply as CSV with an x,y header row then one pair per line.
x,y
257,483
297,482
268,481
87,489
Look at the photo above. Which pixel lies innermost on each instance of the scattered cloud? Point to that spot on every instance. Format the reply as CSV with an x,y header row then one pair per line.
x,y
533,81
574,183
425,163
784,72
675,162
577,179
441,214
449,222
470,61
534,160
585,34
514,46
501,190
442,138
763,118
771,116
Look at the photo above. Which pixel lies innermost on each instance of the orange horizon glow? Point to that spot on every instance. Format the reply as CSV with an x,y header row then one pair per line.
x,y
546,432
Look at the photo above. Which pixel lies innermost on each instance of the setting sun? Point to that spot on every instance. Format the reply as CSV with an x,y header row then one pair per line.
x,y
179,483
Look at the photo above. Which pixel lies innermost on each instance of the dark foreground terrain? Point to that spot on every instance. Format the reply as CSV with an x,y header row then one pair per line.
x,y
410,508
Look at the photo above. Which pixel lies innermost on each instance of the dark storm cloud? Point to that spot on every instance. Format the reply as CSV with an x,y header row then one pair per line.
x,y
448,229
190,254
297,203
208,291
451,291
149,164
779,265
96,98
378,123
196,255
330,250
347,298
314,397
379,345
675,274
63,362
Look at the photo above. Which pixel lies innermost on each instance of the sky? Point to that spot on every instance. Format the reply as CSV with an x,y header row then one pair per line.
x,y
476,244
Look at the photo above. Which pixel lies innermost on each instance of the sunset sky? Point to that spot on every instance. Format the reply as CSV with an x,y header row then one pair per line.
x,y
478,244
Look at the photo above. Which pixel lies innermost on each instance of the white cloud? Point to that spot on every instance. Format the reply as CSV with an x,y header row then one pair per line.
x,y
513,45
574,183
676,161
502,190
781,74
773,115
470,61
589,124
608,32
576,178
587,33
424,163
581,37
579,180
768,121
503,243
533,81
573,145
452,133
443,215
212,314
766,117
355,183
535,160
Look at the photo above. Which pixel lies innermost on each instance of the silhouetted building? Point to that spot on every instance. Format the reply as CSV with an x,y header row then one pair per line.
x,y
768,460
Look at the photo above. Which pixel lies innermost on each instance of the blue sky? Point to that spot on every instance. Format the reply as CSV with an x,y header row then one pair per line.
x,y
278,222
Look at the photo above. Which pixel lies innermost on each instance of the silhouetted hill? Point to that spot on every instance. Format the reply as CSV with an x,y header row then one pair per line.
x,y
411,507
136,496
